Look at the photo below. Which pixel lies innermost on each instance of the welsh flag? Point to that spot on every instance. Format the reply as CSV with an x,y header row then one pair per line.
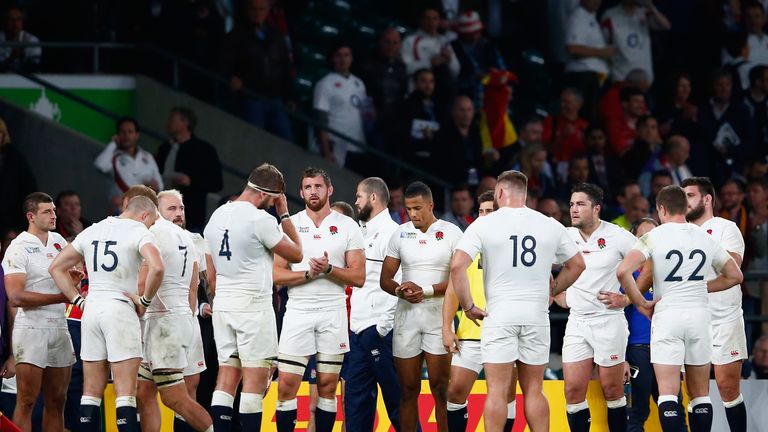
x,y
496,128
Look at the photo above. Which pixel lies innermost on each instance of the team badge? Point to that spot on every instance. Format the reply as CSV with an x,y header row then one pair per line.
x,y
333,230
601,243
57,247
422,242
709,231
337,84
439,235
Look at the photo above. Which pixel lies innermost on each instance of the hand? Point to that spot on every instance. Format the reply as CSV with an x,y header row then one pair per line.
x,y
438,60
182,179
612,300
76,275
627,372
9,368
114,138
411,292
450,341
206,311
235,83
318,266
140,309
561,301
281,204
475,313
647,308
609,51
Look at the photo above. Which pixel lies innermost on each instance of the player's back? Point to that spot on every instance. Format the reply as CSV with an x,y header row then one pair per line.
x,y
240,238
110,249
681,254
518,247
179,256
725,305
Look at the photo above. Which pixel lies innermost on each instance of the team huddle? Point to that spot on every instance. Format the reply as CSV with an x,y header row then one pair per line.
x,y
410,284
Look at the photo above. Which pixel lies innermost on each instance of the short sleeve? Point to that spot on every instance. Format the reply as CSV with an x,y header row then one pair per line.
x,y
626,241
732,240
721,257
567,248
321,100
470,242
456,238
268,232
643,244
15,260
574,34
144,237
393,247
355,239
77,242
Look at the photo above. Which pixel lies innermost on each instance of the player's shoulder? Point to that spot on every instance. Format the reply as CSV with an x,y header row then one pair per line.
x,y
342,219
448,227
57,239
614,230
611,12
720,224
326,81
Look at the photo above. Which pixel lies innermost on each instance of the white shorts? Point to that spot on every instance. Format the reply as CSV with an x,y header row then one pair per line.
x,y
681,336
110,330
729,342
603,339
469,356
250,335
195,353
308,332
43,347
168,340
527,343
418,328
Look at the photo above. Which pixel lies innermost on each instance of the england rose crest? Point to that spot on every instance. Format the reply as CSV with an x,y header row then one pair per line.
x,y
601,243
439,235
333,230
57,247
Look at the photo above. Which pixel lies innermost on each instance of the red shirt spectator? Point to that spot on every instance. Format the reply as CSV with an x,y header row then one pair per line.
x,y
621,130
610,102
564,133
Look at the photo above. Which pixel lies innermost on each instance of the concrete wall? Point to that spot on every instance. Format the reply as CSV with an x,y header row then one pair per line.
x,y
240,145
60,158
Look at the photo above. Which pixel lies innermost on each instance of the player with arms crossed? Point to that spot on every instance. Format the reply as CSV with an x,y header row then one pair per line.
x,y
113,250
464,343
595,333
315,321
170,313
729,340
518,246
245,328
681,333
423,249
40,340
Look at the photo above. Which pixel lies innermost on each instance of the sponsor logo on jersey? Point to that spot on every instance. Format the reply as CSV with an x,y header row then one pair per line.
x,y
32,250
49,255
701,410
343,345
422,242
670,413
601,243
317,237
303,229
614,357
734,353
408,235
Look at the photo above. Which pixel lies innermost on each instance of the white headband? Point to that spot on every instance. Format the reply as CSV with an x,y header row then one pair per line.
x,y
272,193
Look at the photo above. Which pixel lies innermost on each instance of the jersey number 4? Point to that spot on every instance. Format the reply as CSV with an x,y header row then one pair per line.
x,y
107,252
528,254
224,250
695,276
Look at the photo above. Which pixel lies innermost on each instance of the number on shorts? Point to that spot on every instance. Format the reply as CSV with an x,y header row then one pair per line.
x,y
528,255
672,277
224,250
107,252
184,266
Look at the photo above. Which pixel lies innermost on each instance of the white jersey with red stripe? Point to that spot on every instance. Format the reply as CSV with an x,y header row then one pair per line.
x,y
128,170
725,305
419,48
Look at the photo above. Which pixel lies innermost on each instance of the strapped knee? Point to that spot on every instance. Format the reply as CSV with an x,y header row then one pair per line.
x,y
329,363
164,379
144,373
292,364
233,361
262,363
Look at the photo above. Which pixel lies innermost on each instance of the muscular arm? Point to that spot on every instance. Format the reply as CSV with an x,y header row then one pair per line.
x,y
155,269
459,265
18,297
289,248
282,275
58,270
388,272
210,276
193,288
568,274
730,275
645,278
354,273
632,261
450,306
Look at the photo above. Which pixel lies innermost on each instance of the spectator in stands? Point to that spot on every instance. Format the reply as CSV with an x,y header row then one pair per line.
x,y
611,107
627,26
621,130
732,206
637,208
728,135
127,163
339,98
757,167
578,172
756,100
533,163
428,49
487,183
460,145
549,207
737,62
531,132
476,55
385,78
16,182
759,361
421,119
626,192
255,57
658,181
397,202
677,115
69,220
757,242
564,132
462,210
753,13
588,52
675,153
605,169
639,158
190,165
27,58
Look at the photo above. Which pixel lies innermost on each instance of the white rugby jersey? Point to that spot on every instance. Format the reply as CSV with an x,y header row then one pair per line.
x,y
425,257
725,305
240,238
336,235
371,305
201,250
110,249
682,254
630,35
342,98
518,247
583,29
602,253
179,256
27,255
128,170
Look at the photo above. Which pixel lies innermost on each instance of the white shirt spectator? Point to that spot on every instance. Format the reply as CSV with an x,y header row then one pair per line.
x,y
583,29
631,37
128,170
31,54
758,49
419,48
342,98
